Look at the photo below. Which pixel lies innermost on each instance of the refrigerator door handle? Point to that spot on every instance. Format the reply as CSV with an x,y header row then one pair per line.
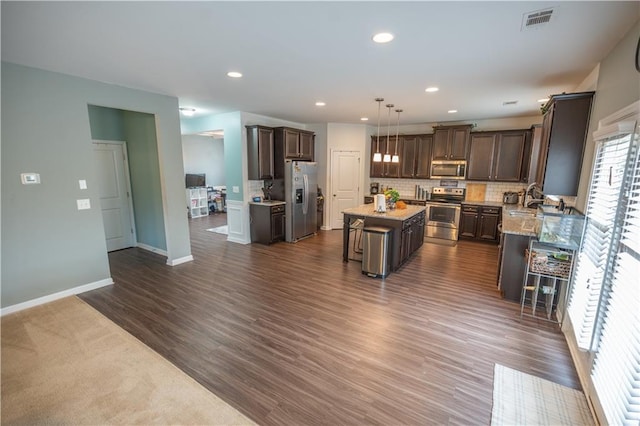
x,y
305,194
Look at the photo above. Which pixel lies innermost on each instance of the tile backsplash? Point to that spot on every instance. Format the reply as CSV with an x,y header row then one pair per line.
x,y
494,191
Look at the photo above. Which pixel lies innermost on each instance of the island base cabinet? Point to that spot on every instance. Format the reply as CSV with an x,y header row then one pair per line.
x,y
513,266
406,237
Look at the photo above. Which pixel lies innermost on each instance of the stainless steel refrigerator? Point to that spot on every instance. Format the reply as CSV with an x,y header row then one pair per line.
x,y
301,195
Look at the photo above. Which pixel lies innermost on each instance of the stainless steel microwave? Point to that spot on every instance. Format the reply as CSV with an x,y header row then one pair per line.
x,y
443,169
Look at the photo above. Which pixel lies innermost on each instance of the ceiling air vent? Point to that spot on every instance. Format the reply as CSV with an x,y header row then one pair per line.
x,y
506,103
537,19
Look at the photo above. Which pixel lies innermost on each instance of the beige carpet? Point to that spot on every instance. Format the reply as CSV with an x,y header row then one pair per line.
x,y
65,363
522,399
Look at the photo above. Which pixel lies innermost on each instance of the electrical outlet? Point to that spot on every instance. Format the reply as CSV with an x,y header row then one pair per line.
x,y
84,204
82,183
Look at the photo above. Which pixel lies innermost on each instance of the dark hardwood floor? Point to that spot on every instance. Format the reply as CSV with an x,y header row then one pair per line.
x,y
289,334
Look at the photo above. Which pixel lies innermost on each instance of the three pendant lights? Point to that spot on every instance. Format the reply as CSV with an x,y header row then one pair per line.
x,y
387,158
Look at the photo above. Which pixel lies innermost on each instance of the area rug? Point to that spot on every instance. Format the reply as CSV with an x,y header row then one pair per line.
x,y
65,363
522,399
220,230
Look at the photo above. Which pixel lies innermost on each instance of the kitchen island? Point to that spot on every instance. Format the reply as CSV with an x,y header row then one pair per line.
x,y
407,229
519,226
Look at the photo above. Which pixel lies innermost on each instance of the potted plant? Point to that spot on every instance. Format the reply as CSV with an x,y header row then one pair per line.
x,y
392,197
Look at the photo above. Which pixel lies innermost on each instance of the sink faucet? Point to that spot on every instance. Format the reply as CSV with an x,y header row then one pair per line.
x,y
527,192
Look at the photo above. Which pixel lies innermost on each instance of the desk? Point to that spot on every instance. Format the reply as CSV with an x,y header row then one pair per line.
x,y
407,229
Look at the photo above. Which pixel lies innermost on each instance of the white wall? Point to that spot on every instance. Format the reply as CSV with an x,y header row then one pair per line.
x,y
204,154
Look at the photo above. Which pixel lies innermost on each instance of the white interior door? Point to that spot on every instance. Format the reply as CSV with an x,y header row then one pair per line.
x,y
115,194
345,184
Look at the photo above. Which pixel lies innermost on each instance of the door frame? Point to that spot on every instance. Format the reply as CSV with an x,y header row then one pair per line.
x,y
331,170
127,180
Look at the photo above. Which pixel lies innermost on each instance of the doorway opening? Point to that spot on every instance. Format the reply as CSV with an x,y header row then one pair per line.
x,y
205,183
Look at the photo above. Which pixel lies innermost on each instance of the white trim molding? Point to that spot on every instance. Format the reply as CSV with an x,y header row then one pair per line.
x,y
151,249
55,296
180,260
238,222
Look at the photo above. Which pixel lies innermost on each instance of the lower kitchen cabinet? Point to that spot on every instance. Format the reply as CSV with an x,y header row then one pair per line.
x,y
479,222
267,223
412,236
512,266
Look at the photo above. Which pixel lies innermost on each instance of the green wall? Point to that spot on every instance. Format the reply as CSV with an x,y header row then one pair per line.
x,y
48,245
231,124
107,124
140,134
138,130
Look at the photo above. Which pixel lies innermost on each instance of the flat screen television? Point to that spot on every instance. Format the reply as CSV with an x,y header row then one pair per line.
x,y
192,179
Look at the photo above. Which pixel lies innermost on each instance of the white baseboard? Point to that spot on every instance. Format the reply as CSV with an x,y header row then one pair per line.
x,y
180,260
55,296
327,228
232,239
151,249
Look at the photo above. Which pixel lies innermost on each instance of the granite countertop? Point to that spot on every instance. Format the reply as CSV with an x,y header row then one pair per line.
x,y
368,210
523,222
268,203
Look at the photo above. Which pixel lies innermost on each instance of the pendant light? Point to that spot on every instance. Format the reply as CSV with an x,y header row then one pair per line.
x,y
396,158
387,156
377,156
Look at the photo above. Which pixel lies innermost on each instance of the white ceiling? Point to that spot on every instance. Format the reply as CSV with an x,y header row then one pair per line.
x,y
293,54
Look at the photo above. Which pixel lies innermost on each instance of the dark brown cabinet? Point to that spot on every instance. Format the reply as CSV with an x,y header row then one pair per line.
x,y
415,156
412,236
267,223
294,144
450,142
260,152
497,156
564,130
381,169
479,222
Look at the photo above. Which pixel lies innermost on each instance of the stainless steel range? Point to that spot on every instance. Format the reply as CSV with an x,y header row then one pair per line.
x,y
443,213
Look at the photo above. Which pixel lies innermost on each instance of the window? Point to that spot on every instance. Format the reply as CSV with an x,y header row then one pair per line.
x,y
605,299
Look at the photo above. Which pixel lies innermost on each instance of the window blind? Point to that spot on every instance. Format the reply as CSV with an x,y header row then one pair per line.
x,y
616,368
598,237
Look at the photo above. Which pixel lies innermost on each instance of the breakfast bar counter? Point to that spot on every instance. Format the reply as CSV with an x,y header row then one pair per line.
x,y
407,229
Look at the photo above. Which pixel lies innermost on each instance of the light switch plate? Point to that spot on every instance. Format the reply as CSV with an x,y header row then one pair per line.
x,y
236,189
82,183
84,204
30,178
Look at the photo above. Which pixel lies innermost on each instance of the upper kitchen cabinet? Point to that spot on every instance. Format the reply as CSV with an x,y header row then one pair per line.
x,y
497,156
260,152
415,156
564,130
294,144
381,169
451,142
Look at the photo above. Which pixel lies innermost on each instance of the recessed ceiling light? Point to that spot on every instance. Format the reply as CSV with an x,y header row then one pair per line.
x,y
187,112
364,118
543,100
452,111
431,89
234,74
383,37
320,103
